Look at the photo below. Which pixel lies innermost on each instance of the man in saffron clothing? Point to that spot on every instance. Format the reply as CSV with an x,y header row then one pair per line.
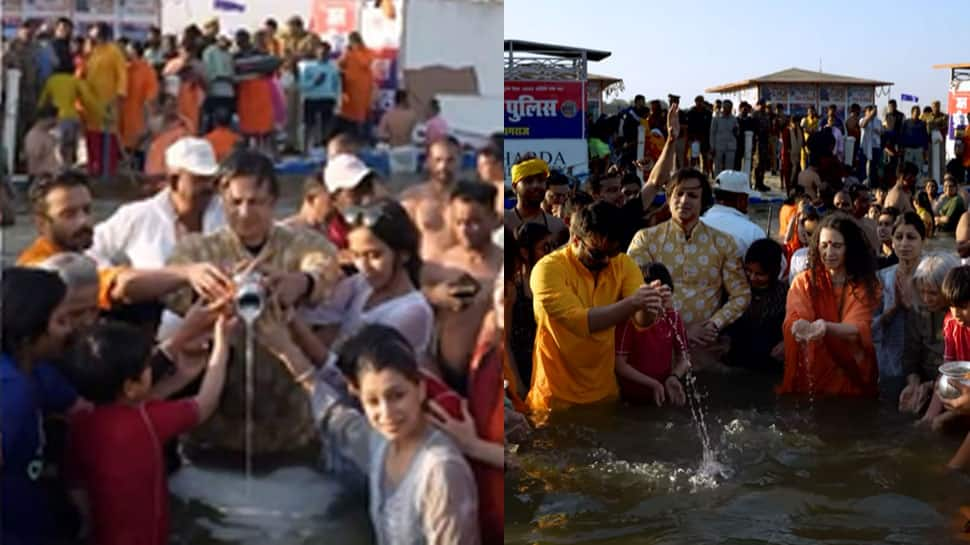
x,y
581,292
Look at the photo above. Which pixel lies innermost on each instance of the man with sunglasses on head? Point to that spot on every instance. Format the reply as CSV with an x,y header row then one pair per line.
x,y
453,281
530,177
581,292
427,203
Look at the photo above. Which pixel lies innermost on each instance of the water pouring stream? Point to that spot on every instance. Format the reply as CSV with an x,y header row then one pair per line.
x,y
249,301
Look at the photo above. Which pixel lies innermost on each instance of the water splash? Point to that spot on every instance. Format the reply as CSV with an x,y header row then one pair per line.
x,y
694,399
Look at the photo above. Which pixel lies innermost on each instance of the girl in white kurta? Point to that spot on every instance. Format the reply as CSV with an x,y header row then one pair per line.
x,y
421,488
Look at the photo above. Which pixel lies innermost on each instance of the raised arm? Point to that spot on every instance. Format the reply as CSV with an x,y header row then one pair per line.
x,y
660,173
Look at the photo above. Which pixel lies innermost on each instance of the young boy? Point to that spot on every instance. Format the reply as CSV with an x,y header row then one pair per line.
x,y
116,450
956,347
651,362
63,91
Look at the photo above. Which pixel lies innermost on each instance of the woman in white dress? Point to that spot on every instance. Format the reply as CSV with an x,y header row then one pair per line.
x,y
384,243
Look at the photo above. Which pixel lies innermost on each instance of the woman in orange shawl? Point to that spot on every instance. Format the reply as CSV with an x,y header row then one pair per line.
x,y
358,84
828,337
142,90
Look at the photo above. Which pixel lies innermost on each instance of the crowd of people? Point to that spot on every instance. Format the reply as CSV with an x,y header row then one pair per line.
x,y
379,343
280,90
801,148
611,296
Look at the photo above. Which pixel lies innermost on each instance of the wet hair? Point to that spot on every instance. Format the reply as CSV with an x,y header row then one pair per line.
x,y
245,162
395,228
103,358
29,297
684,174
600,218
376,348
956,286
527,235
909,169
74,269
475,192
453,143
767,253
911,218
657,271
860,260
43,185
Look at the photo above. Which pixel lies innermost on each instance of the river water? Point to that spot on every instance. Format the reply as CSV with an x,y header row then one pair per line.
x,y
841,471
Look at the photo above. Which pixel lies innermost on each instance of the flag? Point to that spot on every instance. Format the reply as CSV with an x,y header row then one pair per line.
x,y
230,5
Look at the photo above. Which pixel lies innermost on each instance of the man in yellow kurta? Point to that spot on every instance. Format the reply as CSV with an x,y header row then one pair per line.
x,y
703,263
581,292
106,73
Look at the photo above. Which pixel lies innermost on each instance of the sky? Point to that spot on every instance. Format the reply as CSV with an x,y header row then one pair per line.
x,y
700,44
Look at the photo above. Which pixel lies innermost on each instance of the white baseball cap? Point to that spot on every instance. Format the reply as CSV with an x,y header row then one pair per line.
x,y
344,171
734,181
194,155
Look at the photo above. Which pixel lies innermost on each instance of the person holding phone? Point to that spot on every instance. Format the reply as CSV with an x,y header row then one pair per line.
x,y
453,281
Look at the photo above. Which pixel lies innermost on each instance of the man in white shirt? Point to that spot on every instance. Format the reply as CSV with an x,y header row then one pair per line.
x,y
143,234
730,213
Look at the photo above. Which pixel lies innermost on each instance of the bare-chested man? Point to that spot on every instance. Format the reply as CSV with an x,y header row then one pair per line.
x,y
456,283
427,203
900,196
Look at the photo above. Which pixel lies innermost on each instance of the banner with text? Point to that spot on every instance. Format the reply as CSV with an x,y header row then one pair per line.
x,y
567,156
545,109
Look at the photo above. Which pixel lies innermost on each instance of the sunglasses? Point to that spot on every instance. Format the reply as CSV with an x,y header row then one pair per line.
x,y
368,216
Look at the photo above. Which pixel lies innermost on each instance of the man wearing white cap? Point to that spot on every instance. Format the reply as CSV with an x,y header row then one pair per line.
x,y
730,211
144,233
346,181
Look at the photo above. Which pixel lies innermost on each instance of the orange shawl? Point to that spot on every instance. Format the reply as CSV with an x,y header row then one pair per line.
x,y
830,366
142,89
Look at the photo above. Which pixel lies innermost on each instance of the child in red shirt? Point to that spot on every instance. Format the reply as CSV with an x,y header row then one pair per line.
x,y
956,347
116,462
651,362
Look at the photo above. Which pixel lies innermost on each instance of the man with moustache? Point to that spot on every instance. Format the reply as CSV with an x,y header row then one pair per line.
x,y
62,212
529,181
703,263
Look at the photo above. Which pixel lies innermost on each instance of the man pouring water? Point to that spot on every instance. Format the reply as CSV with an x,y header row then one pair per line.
x,y
294,267
582,291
